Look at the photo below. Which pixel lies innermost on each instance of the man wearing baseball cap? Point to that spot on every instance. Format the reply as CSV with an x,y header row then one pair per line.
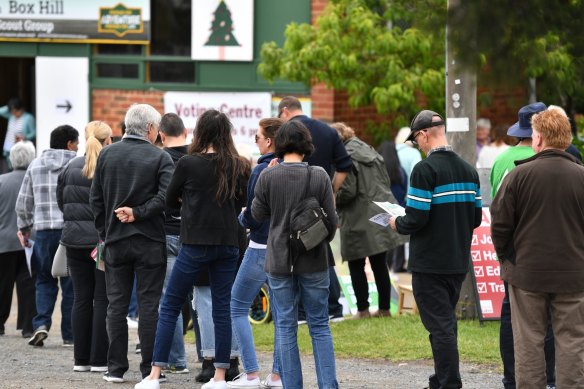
x,y
443,208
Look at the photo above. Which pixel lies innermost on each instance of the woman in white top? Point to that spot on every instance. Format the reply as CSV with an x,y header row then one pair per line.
x,y
500,142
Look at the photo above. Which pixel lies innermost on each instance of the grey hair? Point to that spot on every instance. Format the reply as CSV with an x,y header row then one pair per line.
x,y
484,123
22,154
138,117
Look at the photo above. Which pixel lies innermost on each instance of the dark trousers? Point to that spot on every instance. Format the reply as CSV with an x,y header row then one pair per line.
x,y
147,259
335,308
89,309
15,270
508,351
436,296
361,286
396,259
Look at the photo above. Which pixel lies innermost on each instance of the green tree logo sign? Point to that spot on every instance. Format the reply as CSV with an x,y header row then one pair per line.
x,y
222,28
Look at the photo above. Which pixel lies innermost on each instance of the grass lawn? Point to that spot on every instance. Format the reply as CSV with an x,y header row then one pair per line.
x,y
397,339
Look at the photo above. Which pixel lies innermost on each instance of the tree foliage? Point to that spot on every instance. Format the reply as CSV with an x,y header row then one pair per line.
x,y
518,40
369,48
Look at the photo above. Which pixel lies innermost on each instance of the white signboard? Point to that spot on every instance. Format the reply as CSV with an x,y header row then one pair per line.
x,y
243,109
66,21
62,97
457,125
222,30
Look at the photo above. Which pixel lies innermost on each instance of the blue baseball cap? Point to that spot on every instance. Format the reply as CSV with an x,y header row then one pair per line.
x,y
522,129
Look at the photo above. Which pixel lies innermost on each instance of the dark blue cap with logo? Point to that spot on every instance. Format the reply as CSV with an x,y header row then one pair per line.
x,y
522,129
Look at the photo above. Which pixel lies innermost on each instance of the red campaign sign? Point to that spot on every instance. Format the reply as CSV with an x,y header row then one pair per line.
x,y
487,272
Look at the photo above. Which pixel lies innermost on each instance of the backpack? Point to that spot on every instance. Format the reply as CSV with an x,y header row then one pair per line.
x,y
308,223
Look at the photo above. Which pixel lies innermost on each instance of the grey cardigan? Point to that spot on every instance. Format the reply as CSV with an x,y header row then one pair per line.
x,y
9,187
277,191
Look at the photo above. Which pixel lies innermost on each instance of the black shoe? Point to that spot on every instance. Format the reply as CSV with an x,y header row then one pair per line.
x,y
207,371
2,331
27,334
138,349
233,370
40,334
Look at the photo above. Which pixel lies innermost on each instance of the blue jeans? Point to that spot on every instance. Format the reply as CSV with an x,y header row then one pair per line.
x,y
221,262
203,304
177,356
313,290
47,287
250,278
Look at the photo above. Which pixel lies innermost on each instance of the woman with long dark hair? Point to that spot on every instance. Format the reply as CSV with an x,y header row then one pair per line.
x,y
210,184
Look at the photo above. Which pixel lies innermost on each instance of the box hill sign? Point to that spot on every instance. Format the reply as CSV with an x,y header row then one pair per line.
x,y
74,21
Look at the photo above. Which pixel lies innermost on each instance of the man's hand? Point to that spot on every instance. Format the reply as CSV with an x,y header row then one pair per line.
x,y
125,214
23,237
273,162
392,223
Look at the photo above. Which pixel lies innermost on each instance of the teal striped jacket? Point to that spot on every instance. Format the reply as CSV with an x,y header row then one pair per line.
x,y
443,208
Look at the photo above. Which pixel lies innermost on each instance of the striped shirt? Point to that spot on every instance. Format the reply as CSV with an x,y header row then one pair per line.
x,y
443,207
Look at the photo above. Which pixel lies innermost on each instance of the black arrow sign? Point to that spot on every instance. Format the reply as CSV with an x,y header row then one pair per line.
x,y
67,106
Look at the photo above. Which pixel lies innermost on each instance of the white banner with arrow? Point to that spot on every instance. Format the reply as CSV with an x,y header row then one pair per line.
x,y
62,97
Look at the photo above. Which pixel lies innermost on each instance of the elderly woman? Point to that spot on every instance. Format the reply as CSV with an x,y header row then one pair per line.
x,y
361,238
12,258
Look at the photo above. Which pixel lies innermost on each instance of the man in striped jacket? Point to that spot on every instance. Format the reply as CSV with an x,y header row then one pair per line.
x,y
442,210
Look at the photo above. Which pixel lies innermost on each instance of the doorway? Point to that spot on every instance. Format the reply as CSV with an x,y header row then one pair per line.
x,y
17,79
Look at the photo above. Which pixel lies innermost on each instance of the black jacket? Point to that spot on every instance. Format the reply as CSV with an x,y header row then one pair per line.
x,y
132,173
73,199
203,221
172,215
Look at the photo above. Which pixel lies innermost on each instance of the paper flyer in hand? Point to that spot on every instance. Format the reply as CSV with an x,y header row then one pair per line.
x,y
392,209
382,219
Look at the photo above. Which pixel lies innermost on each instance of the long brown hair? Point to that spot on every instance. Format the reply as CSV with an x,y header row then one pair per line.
x,y
213,129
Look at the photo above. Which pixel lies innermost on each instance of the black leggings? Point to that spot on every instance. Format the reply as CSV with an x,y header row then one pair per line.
x,y
360,285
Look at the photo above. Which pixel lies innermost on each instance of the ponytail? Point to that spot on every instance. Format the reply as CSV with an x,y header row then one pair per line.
x,y
96,133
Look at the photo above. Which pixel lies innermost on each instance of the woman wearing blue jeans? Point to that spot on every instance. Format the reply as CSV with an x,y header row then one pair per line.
x,y
251,275
210,185
294,275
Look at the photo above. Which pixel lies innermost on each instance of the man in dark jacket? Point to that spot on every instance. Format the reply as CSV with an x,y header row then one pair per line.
x,y
174,138
127,197
537,228
331,155
443,208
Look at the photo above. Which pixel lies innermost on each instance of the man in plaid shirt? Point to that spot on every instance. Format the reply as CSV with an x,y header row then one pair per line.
x,y
36,207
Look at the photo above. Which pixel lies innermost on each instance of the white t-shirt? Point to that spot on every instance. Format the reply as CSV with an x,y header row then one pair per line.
x,y
488,155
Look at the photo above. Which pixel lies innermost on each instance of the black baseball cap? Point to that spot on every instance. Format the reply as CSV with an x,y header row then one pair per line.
x,y
423,120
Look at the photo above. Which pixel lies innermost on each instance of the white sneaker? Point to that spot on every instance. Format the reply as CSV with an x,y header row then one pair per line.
x,y
241,381
215,385
147,383
98,369
82,368
269,383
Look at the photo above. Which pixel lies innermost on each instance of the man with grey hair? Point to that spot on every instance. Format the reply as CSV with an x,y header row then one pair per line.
x,y
12,258
127,197
483,133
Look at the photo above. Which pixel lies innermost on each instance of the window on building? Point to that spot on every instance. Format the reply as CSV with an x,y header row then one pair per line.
x,y
165,60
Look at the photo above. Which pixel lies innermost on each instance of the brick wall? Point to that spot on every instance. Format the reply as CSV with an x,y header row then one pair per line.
x,y
110,105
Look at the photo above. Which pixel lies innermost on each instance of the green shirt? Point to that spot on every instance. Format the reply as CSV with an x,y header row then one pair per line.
x,y
505,162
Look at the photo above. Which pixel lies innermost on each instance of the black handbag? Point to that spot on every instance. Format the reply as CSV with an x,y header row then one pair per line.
x,y
308,222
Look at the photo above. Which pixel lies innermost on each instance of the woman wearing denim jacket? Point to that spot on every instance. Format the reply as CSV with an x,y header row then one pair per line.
x,y
301,275
251,275
209,186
